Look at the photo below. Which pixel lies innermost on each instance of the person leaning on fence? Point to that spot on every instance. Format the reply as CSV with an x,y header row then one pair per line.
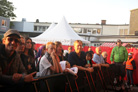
x,y
49,63
130,66
90,62
67,68
119,57
78,57
12,71
98,58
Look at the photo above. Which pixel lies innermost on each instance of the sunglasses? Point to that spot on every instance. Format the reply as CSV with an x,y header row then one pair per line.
x,y
13,39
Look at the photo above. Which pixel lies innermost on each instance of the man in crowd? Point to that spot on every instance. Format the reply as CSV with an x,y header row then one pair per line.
x,y
12,71
78,57
49,63
118,57
98,58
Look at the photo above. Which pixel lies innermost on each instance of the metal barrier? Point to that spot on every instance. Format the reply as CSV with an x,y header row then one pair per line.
x,y
86,82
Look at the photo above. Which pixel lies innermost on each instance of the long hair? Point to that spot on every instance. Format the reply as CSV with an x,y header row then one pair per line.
x,y
57,43
30,51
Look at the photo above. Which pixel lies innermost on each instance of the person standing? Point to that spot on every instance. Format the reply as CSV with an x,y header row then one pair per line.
x,y
78,59
119,57
130,66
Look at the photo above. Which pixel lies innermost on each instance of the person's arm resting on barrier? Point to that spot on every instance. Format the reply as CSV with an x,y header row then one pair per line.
x,y
84,69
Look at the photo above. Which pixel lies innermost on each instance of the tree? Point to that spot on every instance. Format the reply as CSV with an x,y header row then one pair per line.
x,y
6,9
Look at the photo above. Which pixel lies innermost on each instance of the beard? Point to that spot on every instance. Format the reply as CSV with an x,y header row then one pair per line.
x,y
11,47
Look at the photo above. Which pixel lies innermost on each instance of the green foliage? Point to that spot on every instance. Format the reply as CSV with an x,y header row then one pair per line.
x,y
6,9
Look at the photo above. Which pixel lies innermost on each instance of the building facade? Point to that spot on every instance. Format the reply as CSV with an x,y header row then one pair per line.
x,y
4,25
134,21
96,33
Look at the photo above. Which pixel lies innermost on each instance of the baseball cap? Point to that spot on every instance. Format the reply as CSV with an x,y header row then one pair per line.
x,y
12,32
118,40
129,53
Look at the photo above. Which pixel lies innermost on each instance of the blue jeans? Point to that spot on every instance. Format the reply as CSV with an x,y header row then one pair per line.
x,y
129,77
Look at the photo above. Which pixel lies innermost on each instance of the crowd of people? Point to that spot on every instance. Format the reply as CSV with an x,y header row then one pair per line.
x,y
20,62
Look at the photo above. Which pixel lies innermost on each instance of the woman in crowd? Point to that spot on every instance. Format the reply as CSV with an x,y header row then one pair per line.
x,y
90,62
59,50
104,54
28,56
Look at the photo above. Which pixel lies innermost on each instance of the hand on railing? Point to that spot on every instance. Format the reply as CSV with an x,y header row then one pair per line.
x,y
16,77
90,69
30,77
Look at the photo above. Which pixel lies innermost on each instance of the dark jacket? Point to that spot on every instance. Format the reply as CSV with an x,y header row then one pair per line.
x,y
28,60
133,64
15,67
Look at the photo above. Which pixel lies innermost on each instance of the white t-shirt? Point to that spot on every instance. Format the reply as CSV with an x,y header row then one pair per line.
x,y
44,67
73,70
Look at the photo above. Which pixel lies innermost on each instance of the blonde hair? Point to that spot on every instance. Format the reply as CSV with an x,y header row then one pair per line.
x,y
77,41
104,53
69,47
49,44
97,48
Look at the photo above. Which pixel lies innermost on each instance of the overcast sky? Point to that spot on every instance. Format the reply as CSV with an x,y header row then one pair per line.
x,y
75,11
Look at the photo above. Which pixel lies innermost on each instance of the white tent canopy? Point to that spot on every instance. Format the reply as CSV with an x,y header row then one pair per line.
x,y
61,32
45,32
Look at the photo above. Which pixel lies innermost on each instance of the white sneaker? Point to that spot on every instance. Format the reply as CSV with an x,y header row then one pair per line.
x,y
131,87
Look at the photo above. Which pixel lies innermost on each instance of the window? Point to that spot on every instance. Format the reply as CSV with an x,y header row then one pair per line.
x,y
98,31
78,30
94,32
125,31
89,30
121,32
35,28
84,30
43,28
3,23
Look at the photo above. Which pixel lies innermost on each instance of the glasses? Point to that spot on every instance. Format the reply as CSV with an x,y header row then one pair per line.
x,y
13,39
